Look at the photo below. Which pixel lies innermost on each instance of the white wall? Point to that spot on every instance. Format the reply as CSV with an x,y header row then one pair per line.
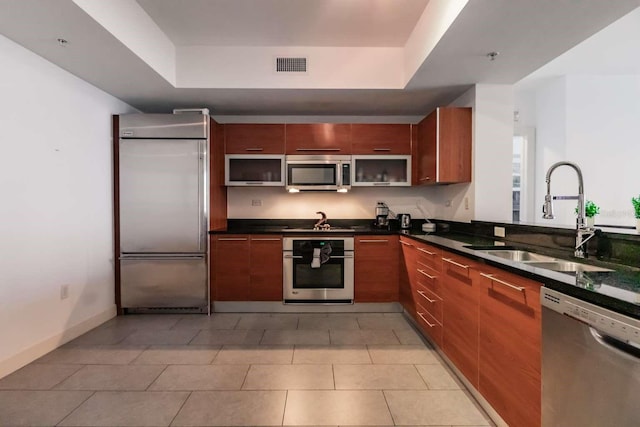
x,y
56,212
592,121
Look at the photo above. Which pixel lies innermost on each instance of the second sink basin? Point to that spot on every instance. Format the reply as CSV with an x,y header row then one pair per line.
x,y
567,266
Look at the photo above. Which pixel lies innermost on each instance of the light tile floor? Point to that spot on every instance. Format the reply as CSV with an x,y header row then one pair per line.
x,y
241,370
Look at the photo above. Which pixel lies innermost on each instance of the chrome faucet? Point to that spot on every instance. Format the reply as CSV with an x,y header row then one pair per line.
x,y
583,233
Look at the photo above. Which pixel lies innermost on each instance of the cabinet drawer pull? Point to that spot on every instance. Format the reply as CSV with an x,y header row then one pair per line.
x,y
426,251
450,261
423,295
232,239
405,243
254,149
382,149
373,241
317,149
426,178
425,320
502,282
254,183
381,183
258,239
292,256
428,275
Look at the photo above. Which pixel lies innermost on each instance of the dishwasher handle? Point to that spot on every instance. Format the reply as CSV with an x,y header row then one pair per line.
x,y
615,345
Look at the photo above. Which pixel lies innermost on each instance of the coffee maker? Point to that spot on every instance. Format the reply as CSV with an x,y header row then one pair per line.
x,y
382,215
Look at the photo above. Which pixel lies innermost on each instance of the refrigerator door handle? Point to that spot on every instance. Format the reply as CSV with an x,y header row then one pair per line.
x,y
159,258
200,193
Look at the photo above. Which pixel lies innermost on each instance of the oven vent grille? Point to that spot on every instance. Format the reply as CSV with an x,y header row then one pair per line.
x,y
291,65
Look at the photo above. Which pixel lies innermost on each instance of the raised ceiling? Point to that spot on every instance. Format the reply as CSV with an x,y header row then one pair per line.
x,y
366,57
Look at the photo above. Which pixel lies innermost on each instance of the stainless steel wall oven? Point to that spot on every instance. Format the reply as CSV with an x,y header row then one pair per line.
x,y
318,270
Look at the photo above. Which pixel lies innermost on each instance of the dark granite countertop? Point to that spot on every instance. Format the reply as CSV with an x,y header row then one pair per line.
x,y
617,290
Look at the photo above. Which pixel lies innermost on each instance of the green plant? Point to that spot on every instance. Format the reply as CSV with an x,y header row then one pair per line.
x,y
590,209
636,205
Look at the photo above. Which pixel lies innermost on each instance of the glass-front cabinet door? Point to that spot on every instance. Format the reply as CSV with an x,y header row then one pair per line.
x,y
258,170
372,170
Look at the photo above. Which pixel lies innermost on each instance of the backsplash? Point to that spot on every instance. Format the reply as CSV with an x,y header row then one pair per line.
x,y
276,203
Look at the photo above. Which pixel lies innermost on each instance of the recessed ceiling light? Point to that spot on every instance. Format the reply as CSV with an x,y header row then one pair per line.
x,y
62,42
492,55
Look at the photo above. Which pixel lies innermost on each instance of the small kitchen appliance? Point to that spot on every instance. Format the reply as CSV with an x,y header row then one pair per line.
x,y
382,215
405,221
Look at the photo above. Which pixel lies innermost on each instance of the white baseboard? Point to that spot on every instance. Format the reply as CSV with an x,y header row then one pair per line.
x,y
17,361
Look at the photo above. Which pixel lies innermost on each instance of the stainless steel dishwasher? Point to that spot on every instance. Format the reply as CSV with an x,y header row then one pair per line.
x,y
590,364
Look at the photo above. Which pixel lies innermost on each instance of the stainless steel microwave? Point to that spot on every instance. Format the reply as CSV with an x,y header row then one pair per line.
x,y
318,173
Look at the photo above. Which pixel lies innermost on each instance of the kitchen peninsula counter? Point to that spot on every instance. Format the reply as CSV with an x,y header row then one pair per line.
x,y
617,290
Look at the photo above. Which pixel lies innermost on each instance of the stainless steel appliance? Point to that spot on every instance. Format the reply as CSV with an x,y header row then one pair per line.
x,y
163,211
382,215
318,270
405,221
590,364
318,172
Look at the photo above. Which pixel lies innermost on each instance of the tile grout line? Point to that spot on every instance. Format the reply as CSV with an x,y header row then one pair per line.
x,y
384,395
156,378
421,377
284,410
93,392
180,408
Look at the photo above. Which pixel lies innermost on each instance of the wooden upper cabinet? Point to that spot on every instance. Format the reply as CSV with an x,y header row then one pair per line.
x,y
318,138
381,139
443,149
254,138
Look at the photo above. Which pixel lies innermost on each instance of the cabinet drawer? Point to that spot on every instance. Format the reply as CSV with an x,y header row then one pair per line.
x,y
430,256
430,302
428,277
376,247
457,266
429,325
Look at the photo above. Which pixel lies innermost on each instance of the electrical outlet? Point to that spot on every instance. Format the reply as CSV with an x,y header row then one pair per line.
x,y
256,202
64,291
466,203
447,203
499,231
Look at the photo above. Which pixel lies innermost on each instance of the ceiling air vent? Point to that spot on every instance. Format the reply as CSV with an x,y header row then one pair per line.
x,y
291,65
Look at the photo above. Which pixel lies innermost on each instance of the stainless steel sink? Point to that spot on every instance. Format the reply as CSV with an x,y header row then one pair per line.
x,y
543,261
518,255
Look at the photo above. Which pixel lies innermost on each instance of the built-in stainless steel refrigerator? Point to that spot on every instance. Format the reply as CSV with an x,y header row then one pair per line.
x,y
163,211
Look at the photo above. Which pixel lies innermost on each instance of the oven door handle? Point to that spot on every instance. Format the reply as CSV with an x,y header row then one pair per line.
x,y
336,257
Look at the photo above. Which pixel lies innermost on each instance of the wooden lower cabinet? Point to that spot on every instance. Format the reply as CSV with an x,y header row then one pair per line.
x,y
376,268
265,277
510,346
460,314
246,267
407,270
230,278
